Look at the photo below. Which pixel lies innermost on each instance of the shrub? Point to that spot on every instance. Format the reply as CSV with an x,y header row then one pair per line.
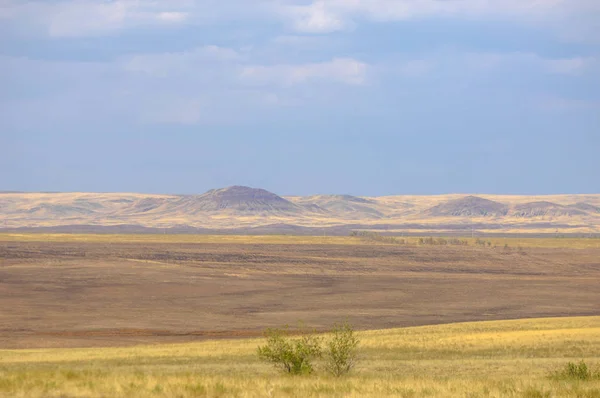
x,y
293,356
376,237
442,241
458,242
340,351
576,371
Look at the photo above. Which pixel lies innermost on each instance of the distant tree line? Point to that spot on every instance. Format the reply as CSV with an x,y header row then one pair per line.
x,y
443,241
377,237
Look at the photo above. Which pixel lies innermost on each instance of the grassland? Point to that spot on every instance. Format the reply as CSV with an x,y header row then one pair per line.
x,y
82,315
111,290
486,359
548,242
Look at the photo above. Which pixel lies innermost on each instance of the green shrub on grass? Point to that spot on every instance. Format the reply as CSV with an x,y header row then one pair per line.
x,y
576,371
292,355
340,350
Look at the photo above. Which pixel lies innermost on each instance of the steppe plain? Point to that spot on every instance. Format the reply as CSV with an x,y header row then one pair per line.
x,y
178,311
181,315
90,290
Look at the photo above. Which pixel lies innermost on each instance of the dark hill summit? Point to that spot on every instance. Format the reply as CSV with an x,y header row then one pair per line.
x,y
238,199
469,206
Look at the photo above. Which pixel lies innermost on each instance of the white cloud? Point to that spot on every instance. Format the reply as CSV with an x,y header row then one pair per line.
x,y
331,15
315,18
172,16
570,17
341,70
85,18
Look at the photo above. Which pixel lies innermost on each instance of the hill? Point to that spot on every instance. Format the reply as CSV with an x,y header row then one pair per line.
x,y
469,206
237,199
239,209
343,206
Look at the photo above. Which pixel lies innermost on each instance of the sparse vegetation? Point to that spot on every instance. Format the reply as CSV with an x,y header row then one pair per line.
x,y
295,355
340,351
483,243
443,241
292,355
377,237
583,242
508,359
576,371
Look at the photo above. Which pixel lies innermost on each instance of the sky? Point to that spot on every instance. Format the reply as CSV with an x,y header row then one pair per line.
x,y
378,97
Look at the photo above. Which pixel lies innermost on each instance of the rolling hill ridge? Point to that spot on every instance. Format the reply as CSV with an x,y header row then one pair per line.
x,y
240,208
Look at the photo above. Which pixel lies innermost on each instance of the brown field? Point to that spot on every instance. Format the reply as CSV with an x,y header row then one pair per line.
x,y
68,291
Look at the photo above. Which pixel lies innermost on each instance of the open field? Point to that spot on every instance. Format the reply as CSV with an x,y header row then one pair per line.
x,y
533,242
106,290
489,359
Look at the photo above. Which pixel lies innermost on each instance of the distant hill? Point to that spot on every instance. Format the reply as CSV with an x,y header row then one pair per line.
x,y
238,199
344,206
240,209
469,206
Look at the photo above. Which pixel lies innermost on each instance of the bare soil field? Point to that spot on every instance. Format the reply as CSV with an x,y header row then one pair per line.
x,y
107,293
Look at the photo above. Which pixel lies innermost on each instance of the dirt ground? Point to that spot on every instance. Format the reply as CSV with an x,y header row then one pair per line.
x,y
75,294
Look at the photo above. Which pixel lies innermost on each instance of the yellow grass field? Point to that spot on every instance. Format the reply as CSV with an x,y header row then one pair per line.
x,y
554,242
485,359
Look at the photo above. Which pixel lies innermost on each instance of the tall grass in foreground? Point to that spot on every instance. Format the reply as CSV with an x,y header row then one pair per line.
x,y
487,359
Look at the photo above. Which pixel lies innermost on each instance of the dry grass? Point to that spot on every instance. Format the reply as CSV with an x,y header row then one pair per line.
x,y
103,290
488,359
514,243
168,238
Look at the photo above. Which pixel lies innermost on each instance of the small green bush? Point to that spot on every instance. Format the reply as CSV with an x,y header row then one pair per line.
x,y
340,350
576,371
293,356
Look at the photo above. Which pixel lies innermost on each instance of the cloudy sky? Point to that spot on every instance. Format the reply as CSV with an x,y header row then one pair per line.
x,y
300,97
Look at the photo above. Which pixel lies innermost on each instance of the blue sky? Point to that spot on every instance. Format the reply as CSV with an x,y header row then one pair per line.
x,y
361,97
